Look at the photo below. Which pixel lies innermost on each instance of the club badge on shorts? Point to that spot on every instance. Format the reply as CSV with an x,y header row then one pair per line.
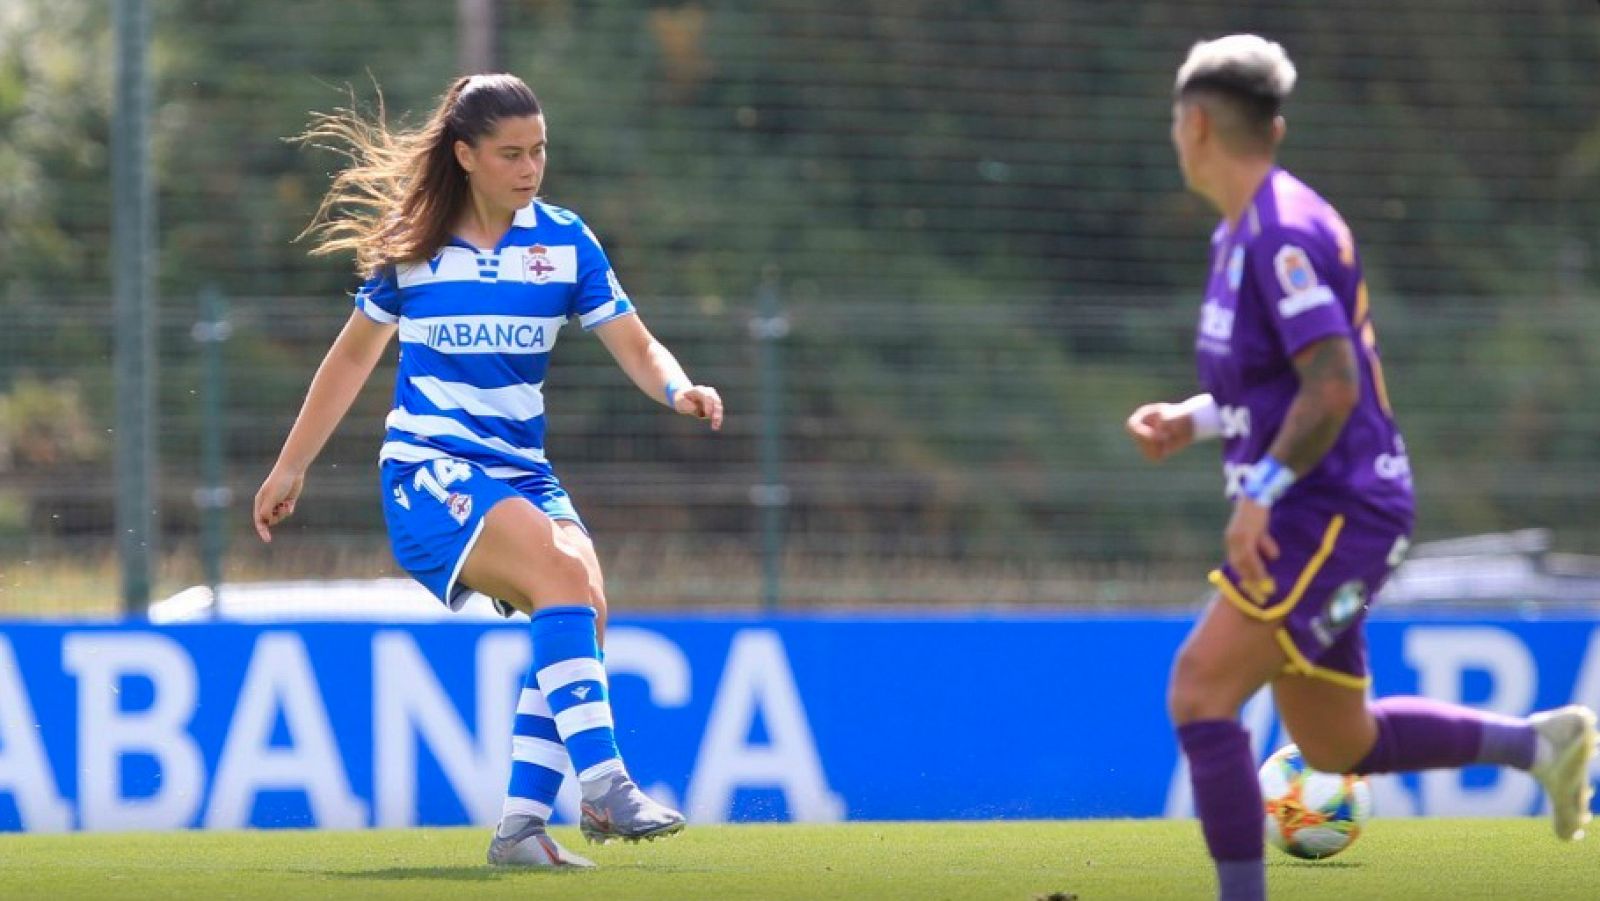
x,y
460,507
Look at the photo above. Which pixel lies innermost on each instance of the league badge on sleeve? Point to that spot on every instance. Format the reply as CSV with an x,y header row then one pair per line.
x,y
1295,272
1298,278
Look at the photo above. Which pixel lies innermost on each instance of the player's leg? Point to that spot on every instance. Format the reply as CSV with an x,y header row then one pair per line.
x,y
538,762
1323,698
1339,731
617,809
578,538
1242,638
449,523
538,757
1227,658
543,566
521,558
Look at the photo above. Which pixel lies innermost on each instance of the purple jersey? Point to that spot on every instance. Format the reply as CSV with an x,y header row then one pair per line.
x,y
1286,277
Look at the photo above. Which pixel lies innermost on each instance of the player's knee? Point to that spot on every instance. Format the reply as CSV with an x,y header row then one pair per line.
x,y
567,574
1195,692
597,589
1186,704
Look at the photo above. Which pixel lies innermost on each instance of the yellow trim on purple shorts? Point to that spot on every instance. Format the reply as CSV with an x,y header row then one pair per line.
x,y
1237,595
1298,665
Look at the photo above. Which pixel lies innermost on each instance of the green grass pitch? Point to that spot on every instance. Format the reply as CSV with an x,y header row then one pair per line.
x,y
1402,859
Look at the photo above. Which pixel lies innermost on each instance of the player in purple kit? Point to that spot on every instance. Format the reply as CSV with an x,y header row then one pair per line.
x,y
1320,485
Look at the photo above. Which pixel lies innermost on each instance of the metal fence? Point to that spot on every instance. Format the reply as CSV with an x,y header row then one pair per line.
x,y
914,452
967,222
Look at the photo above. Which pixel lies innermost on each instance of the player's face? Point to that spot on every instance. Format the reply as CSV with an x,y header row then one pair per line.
x,y
507,164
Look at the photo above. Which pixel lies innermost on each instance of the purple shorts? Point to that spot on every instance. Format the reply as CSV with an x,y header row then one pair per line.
x,y
1329,567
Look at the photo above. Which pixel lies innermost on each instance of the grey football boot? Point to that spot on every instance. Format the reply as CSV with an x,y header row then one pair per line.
x,y
625,812
529,845
1570,733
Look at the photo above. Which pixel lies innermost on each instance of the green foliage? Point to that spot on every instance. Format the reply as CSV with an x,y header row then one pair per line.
x,y
972,213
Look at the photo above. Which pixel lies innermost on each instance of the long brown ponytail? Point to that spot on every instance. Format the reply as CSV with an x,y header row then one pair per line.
x,y
399,196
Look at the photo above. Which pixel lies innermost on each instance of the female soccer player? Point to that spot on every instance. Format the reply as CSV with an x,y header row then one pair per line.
x,y
477,275
1320,485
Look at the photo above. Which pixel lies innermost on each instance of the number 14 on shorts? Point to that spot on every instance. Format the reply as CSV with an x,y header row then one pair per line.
x,y
436,479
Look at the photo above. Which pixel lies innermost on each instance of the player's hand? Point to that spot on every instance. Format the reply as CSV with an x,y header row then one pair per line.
x,y
275,500
1248,542
1160,431
701,402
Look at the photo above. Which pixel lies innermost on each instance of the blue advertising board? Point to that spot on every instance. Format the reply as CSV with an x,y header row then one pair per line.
x,y
814,718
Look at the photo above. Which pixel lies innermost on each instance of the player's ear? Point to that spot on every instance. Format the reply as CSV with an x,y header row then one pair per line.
x,y
1280,127
464,156
1199,123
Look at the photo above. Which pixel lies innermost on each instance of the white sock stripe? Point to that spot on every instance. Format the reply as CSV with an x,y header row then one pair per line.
x,y
582,718
525,807
532,703
566,672
540,752
601,770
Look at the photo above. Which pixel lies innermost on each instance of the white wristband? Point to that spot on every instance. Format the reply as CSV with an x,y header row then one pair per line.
x,y
1202,411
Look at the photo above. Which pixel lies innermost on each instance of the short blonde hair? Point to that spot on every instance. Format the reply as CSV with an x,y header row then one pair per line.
x,y
1245,73
1245,64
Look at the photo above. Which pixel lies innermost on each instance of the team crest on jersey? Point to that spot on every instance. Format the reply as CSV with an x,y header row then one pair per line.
x,y
460,507
537,265
1295,272
1235,268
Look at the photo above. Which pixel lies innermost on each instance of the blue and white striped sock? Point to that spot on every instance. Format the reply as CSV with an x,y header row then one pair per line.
x,y
566,657
538,758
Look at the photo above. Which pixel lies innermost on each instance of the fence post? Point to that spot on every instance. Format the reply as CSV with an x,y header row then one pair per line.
x,y
768,327
133,277
213,495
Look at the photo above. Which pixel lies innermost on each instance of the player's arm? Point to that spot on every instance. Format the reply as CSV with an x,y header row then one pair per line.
x,y
656,371
1306,315
344,370
1330,388
1162,429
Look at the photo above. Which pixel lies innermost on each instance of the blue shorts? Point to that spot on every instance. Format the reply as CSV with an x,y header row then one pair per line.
x,y
435,509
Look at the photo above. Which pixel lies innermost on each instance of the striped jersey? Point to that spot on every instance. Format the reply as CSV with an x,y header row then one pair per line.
x,y
476,330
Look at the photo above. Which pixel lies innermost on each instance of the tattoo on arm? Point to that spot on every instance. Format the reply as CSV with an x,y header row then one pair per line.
x,y
1330,387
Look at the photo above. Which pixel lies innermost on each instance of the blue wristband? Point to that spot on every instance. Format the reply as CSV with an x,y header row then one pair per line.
x,y
673,387
1267,481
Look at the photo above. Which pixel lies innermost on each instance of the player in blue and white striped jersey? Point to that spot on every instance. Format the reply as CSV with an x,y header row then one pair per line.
x,y
477,277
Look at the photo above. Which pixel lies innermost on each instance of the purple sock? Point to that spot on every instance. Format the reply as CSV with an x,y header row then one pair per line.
x,y
1423,734
1228,799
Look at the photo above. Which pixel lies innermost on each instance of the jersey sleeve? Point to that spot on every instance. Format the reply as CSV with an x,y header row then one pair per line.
x,y
1300,302
379,298
599,298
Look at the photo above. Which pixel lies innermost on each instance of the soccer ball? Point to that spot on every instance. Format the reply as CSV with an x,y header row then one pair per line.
x,y
1311,815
